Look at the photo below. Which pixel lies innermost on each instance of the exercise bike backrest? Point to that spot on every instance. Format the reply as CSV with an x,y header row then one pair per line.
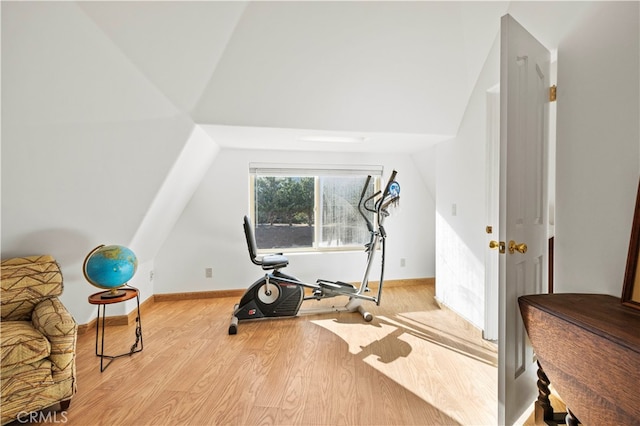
x,y
268,261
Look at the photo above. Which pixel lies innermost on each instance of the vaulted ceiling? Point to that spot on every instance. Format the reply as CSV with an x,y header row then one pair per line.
x,y
387,71
402,67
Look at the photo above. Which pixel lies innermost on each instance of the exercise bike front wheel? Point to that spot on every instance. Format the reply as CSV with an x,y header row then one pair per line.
x,y
268,293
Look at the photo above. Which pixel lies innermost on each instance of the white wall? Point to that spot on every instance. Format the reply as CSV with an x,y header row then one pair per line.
x,y
460,238
597,149
596,164
81,127
209,233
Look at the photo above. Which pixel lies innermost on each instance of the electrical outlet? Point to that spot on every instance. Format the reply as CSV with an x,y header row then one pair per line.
x,y
403,262
208,272
150,275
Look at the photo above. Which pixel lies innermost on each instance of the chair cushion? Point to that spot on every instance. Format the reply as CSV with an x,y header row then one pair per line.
x,y
22,344
25,281
25,377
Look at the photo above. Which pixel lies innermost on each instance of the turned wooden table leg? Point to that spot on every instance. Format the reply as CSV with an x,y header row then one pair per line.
x,y
543,408
543,413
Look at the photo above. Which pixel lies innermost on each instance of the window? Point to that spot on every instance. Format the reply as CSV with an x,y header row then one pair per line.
x,y
310,207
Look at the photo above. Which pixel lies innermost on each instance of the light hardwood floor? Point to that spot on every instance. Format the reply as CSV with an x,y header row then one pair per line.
x,y
414,364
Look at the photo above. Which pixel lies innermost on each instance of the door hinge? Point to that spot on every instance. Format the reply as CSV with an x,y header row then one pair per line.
x,y
552,93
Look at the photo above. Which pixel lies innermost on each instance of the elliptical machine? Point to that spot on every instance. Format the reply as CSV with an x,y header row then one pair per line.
x,y
277,294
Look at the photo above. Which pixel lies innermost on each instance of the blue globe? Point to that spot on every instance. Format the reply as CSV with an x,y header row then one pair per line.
x,y
110,267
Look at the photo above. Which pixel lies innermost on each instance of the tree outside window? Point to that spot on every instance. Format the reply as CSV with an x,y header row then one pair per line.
x,y
310,212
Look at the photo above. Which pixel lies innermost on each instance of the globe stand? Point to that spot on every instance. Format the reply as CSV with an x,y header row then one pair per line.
x,y
112,294
96,299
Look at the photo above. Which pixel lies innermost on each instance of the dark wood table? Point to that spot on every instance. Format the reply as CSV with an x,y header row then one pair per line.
x,y
588,345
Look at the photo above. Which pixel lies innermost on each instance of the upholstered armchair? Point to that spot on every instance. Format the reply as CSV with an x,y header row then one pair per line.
x,y
38,338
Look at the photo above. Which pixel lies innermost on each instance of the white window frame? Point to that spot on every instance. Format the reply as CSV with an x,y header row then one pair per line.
x,y
310,170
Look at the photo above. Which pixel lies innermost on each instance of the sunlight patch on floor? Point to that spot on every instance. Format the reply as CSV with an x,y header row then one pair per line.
x,y
451,371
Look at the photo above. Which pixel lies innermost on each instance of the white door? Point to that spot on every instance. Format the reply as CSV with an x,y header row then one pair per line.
x,y
524,97
492,184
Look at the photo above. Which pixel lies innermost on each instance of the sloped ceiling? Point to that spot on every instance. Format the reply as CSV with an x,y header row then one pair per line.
x,y
347,66
373,69
384,71
177,45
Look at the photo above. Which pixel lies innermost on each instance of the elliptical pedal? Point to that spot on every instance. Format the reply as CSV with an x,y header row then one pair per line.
x,y
338,286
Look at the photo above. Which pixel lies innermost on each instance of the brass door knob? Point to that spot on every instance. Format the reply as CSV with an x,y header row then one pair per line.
x,y
520,248
497,245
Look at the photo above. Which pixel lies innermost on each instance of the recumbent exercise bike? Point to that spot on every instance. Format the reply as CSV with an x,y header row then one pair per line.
x,y
280,295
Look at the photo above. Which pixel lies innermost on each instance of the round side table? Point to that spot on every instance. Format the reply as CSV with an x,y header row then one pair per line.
x,y
102,302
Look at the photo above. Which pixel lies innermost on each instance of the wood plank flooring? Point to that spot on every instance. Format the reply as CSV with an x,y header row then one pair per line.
x,y
414,364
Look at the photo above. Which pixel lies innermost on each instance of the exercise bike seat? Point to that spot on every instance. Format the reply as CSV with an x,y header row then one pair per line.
x,y
268,261
273,261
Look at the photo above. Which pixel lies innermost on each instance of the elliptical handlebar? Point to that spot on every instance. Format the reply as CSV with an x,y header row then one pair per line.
x,y
362,203
372,210
391,193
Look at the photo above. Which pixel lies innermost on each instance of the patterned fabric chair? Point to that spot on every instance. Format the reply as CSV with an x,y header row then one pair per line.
x,y
38,341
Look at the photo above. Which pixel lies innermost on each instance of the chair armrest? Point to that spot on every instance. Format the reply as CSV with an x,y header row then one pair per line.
x,y
54,321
